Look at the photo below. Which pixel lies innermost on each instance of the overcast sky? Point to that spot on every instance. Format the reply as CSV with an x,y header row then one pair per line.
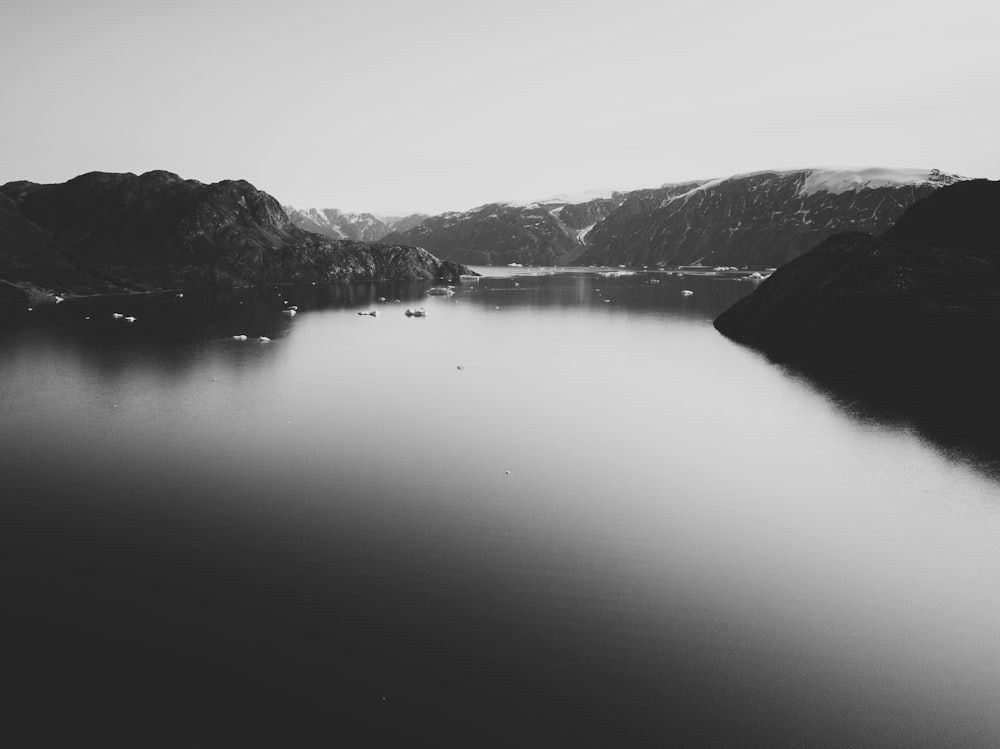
x,y
446,104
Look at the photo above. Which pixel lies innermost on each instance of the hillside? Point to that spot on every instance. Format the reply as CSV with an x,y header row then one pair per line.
x,y
105,232
551,232
758,220
905,320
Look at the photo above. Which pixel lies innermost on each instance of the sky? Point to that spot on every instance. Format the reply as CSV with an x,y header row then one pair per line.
x,y
436,105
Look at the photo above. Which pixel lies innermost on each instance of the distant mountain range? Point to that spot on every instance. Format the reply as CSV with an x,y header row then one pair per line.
x,y
104,232
759,220
361,227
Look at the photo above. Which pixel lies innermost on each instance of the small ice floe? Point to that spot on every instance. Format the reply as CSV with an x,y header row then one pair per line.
x,y
418,312
129,319
240,337
264,339
289,312
117,315
687,292
371,313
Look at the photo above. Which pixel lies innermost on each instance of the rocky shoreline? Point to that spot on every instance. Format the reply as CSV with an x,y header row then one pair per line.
x,y
905,321
105,233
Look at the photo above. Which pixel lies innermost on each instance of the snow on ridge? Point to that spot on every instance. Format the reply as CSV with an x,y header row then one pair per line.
x,y
584,196
575,198
843,180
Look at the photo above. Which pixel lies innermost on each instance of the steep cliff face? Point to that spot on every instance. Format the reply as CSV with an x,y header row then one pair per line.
x,y
551,232
103,232
906,319
757,220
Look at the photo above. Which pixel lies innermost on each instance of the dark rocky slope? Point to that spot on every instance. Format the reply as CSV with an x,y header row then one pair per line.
x,y
551,232
907,320
105,232
757,220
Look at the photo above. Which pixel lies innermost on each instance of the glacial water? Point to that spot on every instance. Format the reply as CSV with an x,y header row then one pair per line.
x,y
559,510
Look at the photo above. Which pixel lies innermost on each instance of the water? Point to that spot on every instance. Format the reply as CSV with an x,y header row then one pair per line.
x,y
316,540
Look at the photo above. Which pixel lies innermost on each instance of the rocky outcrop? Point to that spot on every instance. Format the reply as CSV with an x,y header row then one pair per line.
x,y
551,232
906,320
105,232
757,220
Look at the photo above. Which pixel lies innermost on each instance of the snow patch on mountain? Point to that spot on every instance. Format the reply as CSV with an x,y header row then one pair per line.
x,y
574,198
838,181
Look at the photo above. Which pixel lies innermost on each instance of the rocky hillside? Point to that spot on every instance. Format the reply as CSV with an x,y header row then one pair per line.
x,y
756,220
906,319
361,227
550,232
104,232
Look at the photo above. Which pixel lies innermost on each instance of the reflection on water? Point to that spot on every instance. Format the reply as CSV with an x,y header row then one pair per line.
x,y
215,541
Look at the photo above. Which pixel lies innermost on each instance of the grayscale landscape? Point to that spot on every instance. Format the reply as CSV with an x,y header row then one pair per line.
x,y
537,375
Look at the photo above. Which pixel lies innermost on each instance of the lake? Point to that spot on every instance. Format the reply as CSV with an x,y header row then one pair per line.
x,y
559,510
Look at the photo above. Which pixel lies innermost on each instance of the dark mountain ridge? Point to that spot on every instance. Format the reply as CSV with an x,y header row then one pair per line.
x,y
906,320
549,232
758,220
105,232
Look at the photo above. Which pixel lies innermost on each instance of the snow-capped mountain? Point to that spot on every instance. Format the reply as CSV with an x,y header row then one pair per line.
x,y
361,227
546,232
761,219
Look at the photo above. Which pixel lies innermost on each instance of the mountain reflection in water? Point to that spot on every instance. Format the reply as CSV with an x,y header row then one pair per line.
x,y
316,540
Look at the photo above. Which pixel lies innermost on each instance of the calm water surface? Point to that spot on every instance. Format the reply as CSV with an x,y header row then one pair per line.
x,y
560,510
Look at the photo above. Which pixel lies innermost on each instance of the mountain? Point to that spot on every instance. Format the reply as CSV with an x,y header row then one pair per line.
x,y
548,232
361,227
906,320
104,232
759,220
